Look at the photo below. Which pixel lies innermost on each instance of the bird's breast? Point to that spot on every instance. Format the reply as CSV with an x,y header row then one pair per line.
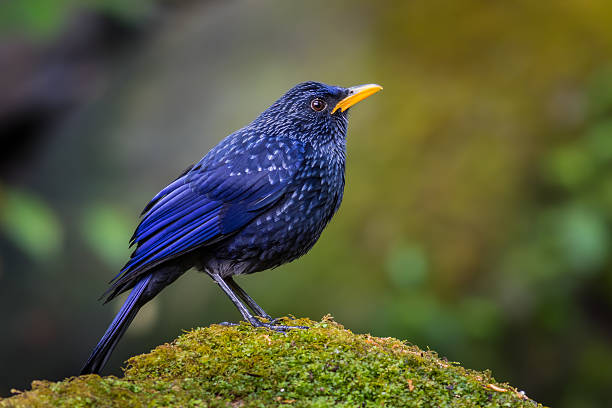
x,y
293,225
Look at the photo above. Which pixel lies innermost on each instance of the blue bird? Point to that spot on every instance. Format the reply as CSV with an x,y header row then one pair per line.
x,y
257,200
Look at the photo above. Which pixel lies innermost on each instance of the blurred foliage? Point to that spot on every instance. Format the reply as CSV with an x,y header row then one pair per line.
x,y
30,224
105,229
41,19
477,216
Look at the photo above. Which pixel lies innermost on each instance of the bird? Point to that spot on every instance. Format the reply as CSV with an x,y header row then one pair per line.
x,y
257,200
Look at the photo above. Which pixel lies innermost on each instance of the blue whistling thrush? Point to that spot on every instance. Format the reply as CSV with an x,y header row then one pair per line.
x,y
257,200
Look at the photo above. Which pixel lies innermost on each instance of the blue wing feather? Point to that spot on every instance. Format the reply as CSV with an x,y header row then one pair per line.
x,y
185,224
194,233
214,198
181,214
169,188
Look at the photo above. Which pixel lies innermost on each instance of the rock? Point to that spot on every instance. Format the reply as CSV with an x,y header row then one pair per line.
x,y
241,366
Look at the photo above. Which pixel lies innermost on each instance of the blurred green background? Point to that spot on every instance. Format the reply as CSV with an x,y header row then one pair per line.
x,y
477,217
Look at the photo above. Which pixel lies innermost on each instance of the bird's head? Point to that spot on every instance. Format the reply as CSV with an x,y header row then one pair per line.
x,y
314,111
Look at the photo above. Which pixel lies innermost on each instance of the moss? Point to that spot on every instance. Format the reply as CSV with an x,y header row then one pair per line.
x,y
241,366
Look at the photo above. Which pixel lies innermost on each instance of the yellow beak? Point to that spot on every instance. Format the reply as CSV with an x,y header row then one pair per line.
x,y
356,94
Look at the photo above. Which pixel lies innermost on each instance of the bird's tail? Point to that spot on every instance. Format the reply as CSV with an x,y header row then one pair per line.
x,y
120,323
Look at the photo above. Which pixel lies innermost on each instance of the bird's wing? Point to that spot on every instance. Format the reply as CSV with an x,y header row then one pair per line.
x,y
210,201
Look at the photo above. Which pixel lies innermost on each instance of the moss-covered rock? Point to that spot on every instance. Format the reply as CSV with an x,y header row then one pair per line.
x,y
240,366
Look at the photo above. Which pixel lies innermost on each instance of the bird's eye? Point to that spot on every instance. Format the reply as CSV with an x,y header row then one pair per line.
x,y
318,104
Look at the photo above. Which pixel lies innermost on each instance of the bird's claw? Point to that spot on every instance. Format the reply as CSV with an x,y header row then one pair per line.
x,y
228,324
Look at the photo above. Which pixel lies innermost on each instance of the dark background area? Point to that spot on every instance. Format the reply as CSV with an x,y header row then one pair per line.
x,y
477,217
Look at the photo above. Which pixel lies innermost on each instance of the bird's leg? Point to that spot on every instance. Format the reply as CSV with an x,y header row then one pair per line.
x,y
244,311
246,298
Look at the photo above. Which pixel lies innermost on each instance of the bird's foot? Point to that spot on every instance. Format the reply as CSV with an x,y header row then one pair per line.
x,y
274,326
282,319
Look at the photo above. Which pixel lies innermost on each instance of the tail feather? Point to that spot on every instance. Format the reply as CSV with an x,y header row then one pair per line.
x,y
117,328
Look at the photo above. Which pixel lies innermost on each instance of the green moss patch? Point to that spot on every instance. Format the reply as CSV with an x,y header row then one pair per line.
x,y
240,366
